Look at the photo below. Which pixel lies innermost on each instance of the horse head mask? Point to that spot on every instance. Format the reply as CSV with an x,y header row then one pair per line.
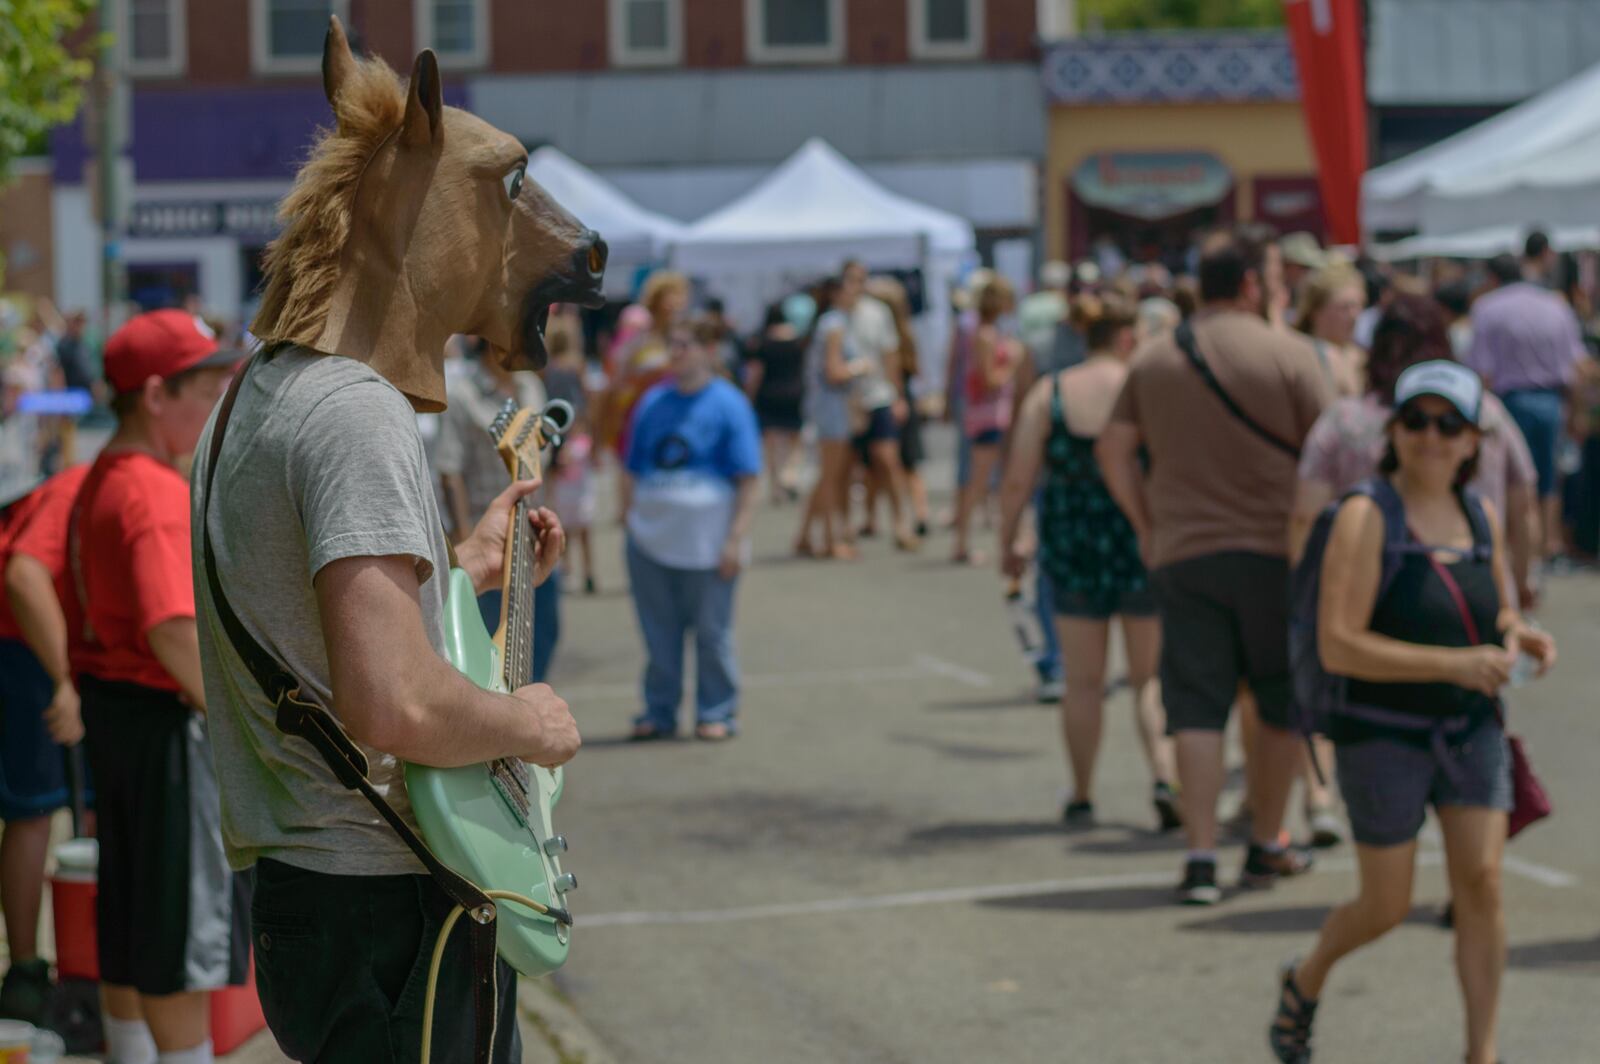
x,y
411,221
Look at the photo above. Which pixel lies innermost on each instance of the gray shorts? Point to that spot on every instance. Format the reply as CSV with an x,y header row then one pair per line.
x,y
1388,784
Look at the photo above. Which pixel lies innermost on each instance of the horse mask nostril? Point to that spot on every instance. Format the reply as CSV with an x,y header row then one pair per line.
x,y
595,257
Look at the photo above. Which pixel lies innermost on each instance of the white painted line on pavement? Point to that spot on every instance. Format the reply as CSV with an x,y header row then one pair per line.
x,y
1541,874
881,901
923,668
970,677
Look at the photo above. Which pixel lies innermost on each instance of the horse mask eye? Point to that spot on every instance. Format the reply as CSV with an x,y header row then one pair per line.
x,y
513,182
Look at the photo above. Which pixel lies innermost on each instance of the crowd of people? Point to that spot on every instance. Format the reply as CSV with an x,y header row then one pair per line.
x,y
1157,451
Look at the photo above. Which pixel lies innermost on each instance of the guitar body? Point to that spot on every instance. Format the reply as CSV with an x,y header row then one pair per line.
x,y
472,828
491,823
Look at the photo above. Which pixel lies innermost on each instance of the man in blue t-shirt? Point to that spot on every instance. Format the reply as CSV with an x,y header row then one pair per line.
x,y
693,463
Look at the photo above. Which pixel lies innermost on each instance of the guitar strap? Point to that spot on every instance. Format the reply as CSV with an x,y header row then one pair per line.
x,y
297,715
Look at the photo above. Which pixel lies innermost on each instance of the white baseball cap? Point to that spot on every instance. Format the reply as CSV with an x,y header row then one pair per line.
x,y
1450,381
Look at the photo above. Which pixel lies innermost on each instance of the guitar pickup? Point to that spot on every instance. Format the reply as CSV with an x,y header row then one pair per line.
x,y
511,779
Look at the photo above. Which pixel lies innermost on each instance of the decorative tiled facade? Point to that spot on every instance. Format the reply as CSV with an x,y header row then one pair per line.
x,y
1170,68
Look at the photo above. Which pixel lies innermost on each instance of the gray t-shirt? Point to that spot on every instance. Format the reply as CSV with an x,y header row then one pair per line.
x,y
322,461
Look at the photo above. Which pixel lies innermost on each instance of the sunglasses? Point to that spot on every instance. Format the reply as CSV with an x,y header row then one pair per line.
x,y
1450,423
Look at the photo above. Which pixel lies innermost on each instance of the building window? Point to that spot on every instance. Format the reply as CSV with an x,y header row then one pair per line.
x,y
457,30
946,29
646,32
286,35
794,31
153,37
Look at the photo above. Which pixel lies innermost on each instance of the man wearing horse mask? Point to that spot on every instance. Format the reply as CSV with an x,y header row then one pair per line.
x,y
410,221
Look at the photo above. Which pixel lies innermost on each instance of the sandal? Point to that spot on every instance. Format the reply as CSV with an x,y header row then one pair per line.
x,y
713,732
1290,1033
644,733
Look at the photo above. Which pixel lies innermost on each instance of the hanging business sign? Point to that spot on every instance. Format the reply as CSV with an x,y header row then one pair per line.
x,y
199,218
1151,184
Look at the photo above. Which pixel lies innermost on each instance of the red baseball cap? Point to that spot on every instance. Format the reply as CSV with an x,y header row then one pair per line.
x,y
161,343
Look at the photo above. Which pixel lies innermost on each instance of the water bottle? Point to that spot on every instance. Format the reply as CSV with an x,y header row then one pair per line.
x,y
1025,622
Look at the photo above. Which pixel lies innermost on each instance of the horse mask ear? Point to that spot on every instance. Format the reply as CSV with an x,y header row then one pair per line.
x,y
337,61
424,102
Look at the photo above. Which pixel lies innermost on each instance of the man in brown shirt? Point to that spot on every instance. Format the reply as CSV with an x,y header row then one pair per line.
x,y
1212,516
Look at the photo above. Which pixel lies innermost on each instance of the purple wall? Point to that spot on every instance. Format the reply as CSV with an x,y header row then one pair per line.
x,y
214,134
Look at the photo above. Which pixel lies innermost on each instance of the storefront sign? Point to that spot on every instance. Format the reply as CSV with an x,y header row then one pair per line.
x,y
190,218
1151,184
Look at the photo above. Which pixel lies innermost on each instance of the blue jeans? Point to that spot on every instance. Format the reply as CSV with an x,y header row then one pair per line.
x,y
671,602
1541,415
546,621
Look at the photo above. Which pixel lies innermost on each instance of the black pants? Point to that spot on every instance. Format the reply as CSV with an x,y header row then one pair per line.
x,y
342,967
1224,619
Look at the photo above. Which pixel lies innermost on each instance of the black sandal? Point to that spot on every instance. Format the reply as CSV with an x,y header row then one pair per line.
x,y
1290,1033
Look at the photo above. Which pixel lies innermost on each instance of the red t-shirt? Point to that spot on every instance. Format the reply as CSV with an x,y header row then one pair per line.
x,y
36,525
133,568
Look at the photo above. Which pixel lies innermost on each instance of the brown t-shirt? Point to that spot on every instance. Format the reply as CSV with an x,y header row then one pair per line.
x,y
1214,485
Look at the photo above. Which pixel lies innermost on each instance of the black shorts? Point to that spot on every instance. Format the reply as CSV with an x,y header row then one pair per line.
x,y
342,969
1102,607
171,916
1224,620
33,776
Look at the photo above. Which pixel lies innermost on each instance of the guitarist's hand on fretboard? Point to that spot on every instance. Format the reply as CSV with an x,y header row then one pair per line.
x,y
550,543
482,554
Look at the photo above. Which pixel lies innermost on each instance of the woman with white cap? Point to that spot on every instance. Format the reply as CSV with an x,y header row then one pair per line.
x,y
1435,646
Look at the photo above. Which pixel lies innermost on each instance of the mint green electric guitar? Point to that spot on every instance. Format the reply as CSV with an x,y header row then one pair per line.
x,y
491,823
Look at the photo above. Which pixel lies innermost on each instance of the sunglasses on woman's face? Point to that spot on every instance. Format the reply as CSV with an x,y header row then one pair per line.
x,y
1450,423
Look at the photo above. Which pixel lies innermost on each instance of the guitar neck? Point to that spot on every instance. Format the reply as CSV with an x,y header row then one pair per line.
x,y
517,592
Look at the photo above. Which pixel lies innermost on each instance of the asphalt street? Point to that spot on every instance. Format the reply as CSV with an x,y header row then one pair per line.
x,y
875,872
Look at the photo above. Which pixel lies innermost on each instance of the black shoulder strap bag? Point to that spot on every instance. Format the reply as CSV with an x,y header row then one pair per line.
x,y
298,716
1186,341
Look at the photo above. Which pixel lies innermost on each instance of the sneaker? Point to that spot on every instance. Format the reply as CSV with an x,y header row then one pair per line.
x,y
1199,886
1326,831
1166,803
1263,868
26,991
1078,815
1050,691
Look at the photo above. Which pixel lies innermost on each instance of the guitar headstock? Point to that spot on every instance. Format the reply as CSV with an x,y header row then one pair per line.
x,y
520,434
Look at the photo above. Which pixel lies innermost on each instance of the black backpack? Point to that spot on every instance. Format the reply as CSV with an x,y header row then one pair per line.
x,y
1319,696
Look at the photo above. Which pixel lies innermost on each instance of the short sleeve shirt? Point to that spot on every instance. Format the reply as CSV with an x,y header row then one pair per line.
x,y
1348,441
1214,486
686,453
322,462
36,525
464,448
130,568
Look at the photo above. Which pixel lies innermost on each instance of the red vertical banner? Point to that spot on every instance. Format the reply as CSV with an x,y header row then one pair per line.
x,y
1326,37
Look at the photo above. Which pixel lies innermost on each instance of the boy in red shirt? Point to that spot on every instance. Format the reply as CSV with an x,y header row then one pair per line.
x,y
173,922
38,709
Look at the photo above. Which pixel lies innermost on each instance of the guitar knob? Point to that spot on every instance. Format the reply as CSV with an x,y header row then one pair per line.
x,y
565,882
555,844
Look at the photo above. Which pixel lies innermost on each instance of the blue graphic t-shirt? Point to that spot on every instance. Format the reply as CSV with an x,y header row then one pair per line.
x,y
686,453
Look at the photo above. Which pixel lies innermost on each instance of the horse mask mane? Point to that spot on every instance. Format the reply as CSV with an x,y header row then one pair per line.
x,y
411,221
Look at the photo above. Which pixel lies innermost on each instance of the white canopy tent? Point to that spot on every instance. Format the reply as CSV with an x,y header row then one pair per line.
x,y
636,237
814,211
1535,164
1484,243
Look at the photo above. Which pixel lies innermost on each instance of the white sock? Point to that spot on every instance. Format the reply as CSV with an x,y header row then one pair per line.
x,y
200,1054
128,1042
1208,856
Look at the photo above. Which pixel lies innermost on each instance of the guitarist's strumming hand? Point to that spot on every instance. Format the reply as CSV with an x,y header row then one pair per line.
x,y
483,553
558,739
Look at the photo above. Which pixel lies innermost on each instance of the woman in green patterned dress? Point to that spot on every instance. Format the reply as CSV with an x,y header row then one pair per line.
x,y
1089,552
